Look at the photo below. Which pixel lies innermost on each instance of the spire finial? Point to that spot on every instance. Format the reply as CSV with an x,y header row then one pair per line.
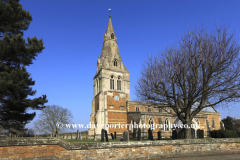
x,y
109,12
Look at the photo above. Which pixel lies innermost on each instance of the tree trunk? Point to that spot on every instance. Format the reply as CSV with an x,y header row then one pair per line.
x,y
187,131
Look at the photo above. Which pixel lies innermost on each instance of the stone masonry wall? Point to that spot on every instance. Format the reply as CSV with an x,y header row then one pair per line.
x,y
42,147
116,114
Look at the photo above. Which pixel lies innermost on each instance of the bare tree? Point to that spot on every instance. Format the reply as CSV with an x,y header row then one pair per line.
x,y
29,132
201,71
50,117
3,132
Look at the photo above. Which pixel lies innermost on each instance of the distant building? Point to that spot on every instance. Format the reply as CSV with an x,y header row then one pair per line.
x,y
111,103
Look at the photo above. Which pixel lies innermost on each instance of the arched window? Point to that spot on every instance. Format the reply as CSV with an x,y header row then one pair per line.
x,y
133,129
166,125
137,109
119,83
213,123
112,36
115,63
97,86
160,110
150,122
149,109
111,83
198,124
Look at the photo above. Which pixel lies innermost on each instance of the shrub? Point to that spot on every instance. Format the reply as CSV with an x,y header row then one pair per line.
x,y
224,134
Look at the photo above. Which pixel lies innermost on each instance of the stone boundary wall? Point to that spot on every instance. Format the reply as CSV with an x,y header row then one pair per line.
x,y
46,147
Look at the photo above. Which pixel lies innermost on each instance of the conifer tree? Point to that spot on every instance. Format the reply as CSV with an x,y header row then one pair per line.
x,y
228,124
15,54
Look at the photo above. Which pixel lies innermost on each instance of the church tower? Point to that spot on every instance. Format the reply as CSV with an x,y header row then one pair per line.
x,y
111,84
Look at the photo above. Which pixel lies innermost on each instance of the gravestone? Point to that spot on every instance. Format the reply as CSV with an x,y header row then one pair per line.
x,y
159,135
200,133
80,136
102,135
125,136
115,135
174,134
121,139
134,133
112,135
95,138
106,136
77,138
150,136
139,136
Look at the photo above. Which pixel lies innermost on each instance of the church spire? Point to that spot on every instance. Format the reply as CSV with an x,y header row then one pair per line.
x,y
110,56
110,27
110,35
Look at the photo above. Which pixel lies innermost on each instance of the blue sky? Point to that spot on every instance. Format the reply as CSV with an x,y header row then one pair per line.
x,y
72,32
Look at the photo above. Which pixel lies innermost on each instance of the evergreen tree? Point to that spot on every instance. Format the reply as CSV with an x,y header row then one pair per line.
x,y
15,54
228,124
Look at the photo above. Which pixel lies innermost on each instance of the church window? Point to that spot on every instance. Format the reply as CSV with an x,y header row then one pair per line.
x,y
137,109
149,109
150,122
97,86
198,123
112,36
111,83
122,107
119,83
111,106
166,125
115,63
99,90
132,125
213,123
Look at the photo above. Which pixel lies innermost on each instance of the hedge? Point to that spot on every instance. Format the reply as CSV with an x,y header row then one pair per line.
x,y
223,134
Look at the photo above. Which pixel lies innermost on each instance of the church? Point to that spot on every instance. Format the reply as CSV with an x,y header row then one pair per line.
x,y
112,105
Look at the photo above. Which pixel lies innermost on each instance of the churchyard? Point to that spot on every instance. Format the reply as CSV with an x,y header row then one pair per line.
x,y
81,137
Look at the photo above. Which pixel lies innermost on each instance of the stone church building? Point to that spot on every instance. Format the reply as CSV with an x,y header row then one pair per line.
x,y
112,105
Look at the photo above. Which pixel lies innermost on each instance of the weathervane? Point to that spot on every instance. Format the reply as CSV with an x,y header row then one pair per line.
x,y
109,11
